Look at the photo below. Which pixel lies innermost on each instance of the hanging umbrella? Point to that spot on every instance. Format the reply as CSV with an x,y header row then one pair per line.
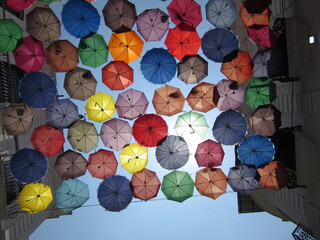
x,y
43,24
177,186
254,7
249,19
158,66
273,175
19,5
117,75
131,104
192,69
17,118
10,34
71,194
70,164
80,18
38,90
209,154
28,165
80,84
267,63
152,24
168,100
200,97
102,164
114,193
49,1
134,157
229,127
262,35
221,13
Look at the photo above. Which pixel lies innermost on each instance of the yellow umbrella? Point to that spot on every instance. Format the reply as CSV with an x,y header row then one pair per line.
x,y
134,157
35,197
100,107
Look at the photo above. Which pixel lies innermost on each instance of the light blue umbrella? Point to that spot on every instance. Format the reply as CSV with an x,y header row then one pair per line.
x,y
221,13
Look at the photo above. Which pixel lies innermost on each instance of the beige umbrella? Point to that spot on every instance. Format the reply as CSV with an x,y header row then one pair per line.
x,y
200,97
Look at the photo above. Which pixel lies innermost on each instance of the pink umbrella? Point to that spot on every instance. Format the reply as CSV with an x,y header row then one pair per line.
x,y
19,5
102,164
262,35
209,154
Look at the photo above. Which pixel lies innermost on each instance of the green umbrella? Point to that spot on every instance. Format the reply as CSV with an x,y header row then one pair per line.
x,y
260,91
93,50
177,186
10,34
49,1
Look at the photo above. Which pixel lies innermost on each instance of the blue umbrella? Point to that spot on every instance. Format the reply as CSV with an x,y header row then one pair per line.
x,y
114,193
267,63
38,90
71,194
158,66
256,150
221,13
80,18
220,45
28,165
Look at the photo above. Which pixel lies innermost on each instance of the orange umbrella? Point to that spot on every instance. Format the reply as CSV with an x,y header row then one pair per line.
x,y
117,75
200,97
249,19
273,175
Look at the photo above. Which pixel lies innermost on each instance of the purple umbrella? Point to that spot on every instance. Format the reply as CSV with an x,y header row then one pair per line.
x,y
267,63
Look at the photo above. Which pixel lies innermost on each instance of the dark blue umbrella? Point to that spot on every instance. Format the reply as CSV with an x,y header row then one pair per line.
x,y
158,66
256,150
38,90
221,13
114,193
267,63
28,165
80,18
230,127
220,45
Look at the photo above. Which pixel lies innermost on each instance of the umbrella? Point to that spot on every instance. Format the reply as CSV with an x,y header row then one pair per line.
x,y
100,107
168,100
80,18
43,24
131,104
71,194
10,34
119,15
102,164
229,127
192,69
38,90
17,118
114,193
209,154
30,55
145,184
93,50
134,157
152,24
221,13
71,164
35,197
83,136
158,66
200,97
62,113
267,63
273,175
80,83
262,35
47,140
253,6
62,56
211,182
255,150
249,19
220,45
49,1
19,5
117,75
177,186
125,46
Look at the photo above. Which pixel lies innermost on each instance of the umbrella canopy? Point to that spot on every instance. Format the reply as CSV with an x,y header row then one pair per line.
x,y
43,24
131,104
229,127
221,13
145,184
192,69
17,118
71,194
80,84
211,182
102,164
134,157
19,5
262,35
273,175
152,24
168,100
200,97
49,1
35,197
80,18
114,193
38,90
254,7
267,63
70,164
249,19
158,66
117,75
177,186
83,136
10,34
209,154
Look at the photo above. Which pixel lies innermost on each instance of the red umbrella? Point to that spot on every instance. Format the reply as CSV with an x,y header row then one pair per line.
x,y
117,75
209,154
149,129
262,35
273,175
19,5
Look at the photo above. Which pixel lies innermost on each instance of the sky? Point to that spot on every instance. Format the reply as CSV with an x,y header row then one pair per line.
x,y
198,217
